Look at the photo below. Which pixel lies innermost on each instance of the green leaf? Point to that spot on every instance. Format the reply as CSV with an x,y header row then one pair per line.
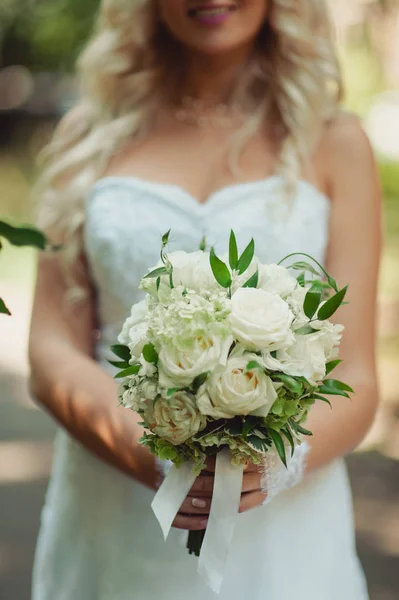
x,y
252,281
199,380
246,258
319,286
122,352
287,433
333,391
253,365
119,364
3,308
292,384
311,303
158,283
306,330
23,236
339,385
332,282
202,245
249,424
156,273
172,391
234,427
133,370
150,354
330,366
220,270
300,429
279,443
304,266
330,307
258,444
233,251
301,279
165,238
322,399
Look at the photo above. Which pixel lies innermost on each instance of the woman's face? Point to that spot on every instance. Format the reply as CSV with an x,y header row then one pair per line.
x,y
214,27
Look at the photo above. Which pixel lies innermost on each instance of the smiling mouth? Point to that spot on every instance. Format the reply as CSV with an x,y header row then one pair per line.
x,y
211,10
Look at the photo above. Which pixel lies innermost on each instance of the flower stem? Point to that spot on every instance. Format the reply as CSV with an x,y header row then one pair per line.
x,y
194,542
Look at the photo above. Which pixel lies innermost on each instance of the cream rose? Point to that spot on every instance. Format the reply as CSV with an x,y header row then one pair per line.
x,y
176,419
276,280
180,367
232,390
260,320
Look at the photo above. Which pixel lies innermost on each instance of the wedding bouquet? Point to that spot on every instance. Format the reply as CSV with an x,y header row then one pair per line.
x,y
228,354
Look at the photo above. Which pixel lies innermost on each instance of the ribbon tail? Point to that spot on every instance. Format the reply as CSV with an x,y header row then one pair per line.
x,y
222,520
171,494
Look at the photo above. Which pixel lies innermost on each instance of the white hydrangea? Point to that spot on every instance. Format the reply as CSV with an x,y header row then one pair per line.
x,y
188,316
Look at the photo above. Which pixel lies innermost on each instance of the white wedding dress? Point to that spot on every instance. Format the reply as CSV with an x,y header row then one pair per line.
x,y
99,539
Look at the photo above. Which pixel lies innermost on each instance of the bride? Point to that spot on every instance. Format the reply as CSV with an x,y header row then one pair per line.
x,y
199,116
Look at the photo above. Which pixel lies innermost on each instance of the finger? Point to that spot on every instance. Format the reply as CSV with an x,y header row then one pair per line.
x,y
196,506
251,482
203,486
251,500
192,523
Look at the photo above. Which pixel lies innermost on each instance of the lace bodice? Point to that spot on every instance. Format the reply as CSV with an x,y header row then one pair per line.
x,y
126,217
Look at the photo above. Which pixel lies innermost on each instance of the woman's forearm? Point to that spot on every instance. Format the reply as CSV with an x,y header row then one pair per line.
x,y
339,431
83,399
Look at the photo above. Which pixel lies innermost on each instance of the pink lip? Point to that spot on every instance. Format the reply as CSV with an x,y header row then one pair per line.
x,y
212,20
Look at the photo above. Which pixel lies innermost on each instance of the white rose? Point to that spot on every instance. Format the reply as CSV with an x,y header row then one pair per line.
x,y
179,367
137,339
176,419
308,356
260,320
192,270
134,329
232,391
276,280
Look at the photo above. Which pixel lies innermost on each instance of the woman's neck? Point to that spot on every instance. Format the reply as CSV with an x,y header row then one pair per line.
x,y
213,79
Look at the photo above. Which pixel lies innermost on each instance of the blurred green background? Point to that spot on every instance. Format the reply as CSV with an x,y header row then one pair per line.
x,y
39,42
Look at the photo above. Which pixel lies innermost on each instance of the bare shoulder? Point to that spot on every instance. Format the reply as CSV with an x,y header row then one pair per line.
x,y
345,154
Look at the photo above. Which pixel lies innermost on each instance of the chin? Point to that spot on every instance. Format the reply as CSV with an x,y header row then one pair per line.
x,y
214,27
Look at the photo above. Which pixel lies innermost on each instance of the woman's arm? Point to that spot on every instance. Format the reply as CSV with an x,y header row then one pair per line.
x,y
71,386
353,257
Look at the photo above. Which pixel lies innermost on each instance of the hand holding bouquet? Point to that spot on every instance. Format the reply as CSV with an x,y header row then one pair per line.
x,y
226,357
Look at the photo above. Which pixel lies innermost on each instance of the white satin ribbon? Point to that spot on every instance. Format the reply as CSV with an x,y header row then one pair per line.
x,y
223,515
171,494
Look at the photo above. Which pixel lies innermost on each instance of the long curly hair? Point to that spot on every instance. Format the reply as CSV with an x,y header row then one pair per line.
x,y
126,73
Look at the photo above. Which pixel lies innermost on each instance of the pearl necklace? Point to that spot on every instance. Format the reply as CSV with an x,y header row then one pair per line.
x,y
194,112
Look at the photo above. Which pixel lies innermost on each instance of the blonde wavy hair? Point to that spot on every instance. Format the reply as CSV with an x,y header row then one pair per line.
x,y
126,72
